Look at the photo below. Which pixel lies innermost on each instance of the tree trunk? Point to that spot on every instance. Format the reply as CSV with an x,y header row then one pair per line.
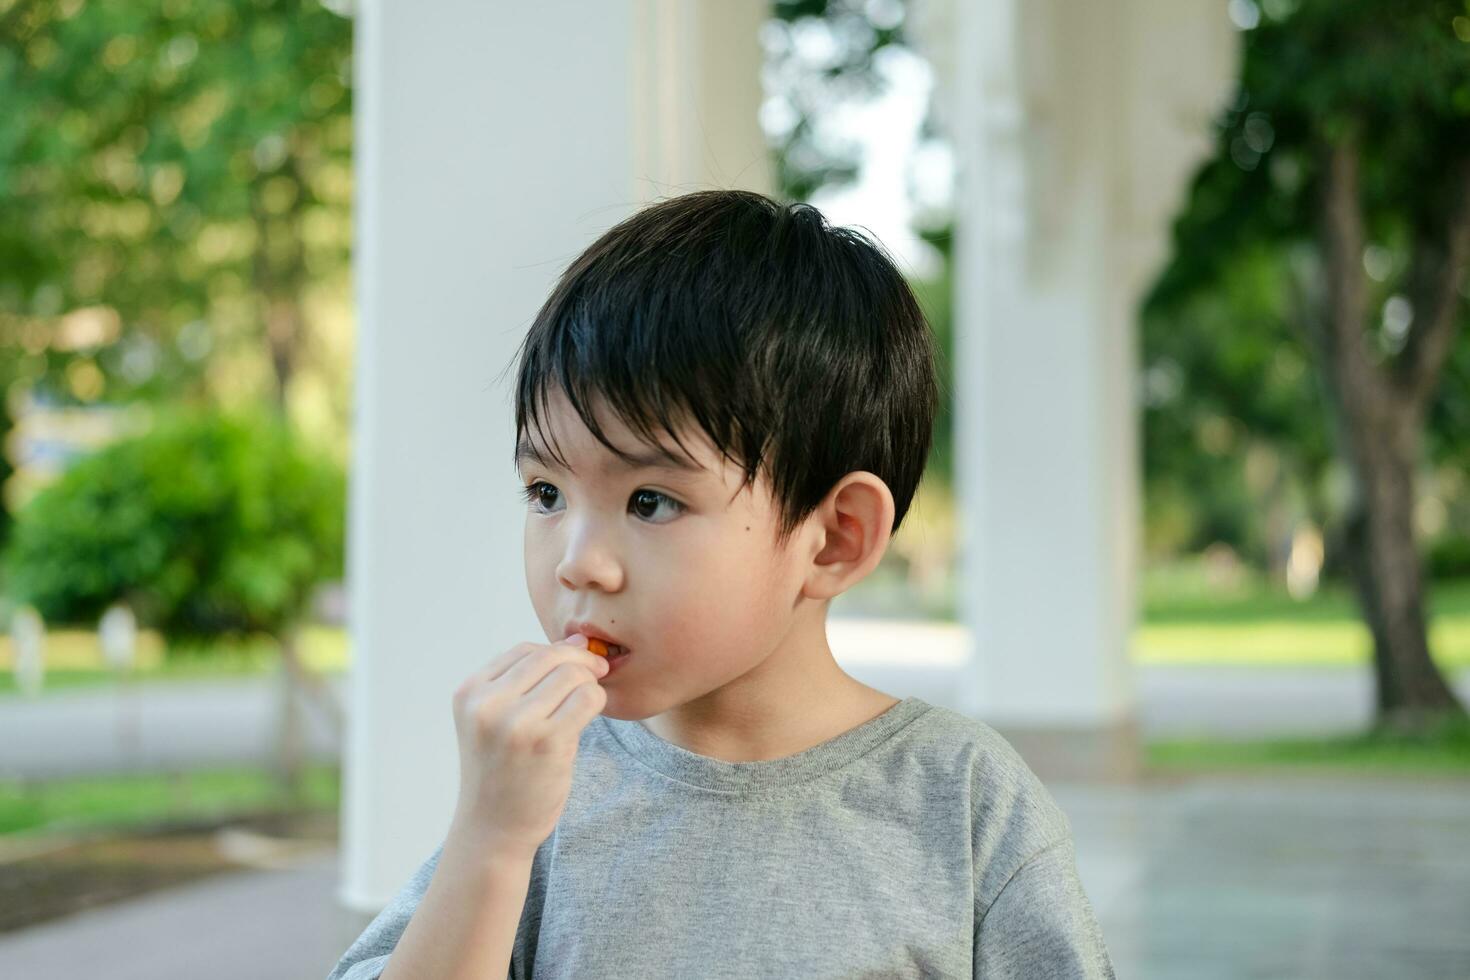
x,y
298,685
280,277
283,339
290,737
280,274
1378,424
1389,580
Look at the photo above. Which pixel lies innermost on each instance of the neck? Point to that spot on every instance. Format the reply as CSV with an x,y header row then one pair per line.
x,y
797,697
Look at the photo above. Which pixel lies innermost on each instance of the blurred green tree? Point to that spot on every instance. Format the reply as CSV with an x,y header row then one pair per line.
x,y
1341,179
183,166
824,54
210,526
1225,382
850,37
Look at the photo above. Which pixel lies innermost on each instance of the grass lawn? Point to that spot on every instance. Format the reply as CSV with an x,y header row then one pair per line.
x,y
120,802
1446,753
1185,620
74,659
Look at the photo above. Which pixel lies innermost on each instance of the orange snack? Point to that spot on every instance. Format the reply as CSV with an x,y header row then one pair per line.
x,y
597,646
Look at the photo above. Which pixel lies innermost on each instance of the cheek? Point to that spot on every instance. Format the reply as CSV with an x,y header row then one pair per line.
x,y
726,606
540,566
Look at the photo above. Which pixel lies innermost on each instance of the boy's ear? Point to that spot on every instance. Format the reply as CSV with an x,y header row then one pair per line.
x,y
853,524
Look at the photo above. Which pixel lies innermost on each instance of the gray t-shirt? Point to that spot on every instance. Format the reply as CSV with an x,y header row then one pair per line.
x,y
917,844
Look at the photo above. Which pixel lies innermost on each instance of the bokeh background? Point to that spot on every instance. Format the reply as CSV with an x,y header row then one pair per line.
x,y
1285,790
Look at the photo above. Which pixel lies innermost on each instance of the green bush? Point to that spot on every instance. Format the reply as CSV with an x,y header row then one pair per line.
x,y
210,525
1449,557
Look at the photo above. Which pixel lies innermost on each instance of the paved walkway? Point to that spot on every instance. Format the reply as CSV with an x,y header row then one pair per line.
x,y
181,724
1197,879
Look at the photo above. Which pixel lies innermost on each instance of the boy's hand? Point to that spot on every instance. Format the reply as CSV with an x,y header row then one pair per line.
x,y
519,721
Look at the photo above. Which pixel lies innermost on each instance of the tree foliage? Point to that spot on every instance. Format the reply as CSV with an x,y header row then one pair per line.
x,y
184,166
1345,160
1227,324
850,39
209,525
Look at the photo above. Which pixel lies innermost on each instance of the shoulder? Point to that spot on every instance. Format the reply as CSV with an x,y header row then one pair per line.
x,y
1012,814
597,737
600,758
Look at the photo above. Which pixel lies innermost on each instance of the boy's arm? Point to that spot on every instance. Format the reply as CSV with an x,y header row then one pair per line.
x,y
454,918
465,927
368,954
1041,926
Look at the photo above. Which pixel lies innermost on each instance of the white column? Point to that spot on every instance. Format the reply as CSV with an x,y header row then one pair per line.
x,y
697,96
494,142
1074,125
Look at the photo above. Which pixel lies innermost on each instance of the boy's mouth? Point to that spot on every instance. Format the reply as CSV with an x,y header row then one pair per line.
x,y
615,657
603,648
597,641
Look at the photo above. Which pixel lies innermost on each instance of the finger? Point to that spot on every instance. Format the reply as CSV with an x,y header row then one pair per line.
x,y
497,666
527,673
576,640
543,699
584,703
520,651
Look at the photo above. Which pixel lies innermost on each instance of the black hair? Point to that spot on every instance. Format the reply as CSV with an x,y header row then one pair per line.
x,y
792,343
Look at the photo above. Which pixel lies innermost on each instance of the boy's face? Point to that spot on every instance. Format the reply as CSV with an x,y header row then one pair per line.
x,y
680,566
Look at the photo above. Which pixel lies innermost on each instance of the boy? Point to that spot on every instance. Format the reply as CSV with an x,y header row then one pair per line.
x,y
722,413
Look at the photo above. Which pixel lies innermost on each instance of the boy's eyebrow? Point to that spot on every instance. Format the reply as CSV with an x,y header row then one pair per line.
x,y
661,458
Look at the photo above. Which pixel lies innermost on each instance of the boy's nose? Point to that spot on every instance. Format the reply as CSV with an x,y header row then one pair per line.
x,y
588,567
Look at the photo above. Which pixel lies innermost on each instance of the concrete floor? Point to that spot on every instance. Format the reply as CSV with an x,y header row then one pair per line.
x,y
1195,879
1304,877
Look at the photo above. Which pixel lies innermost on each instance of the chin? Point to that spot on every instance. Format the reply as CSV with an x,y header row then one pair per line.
x,y
621,713
618,709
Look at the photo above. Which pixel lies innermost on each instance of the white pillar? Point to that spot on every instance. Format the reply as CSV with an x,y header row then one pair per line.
x,y
1056,107
696,97
494,142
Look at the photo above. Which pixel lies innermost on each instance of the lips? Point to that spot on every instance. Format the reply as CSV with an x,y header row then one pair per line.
x,y
610,650
614,647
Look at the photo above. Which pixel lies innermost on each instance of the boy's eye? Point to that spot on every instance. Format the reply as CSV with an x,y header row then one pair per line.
x,y
644,502
651,498
532,492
